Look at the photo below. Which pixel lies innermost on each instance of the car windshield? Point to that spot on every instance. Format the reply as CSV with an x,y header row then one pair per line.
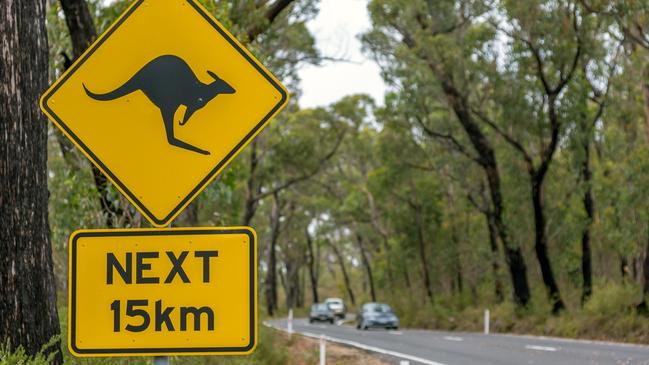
x,y
378,308
334,301
319,308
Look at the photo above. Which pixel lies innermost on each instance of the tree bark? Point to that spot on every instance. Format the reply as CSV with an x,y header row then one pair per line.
x,y
643,307
343,269
253,187
624,267
586,266
28,316
367,265
80,24
189,216
457,260
541,246
495,260
422,252
292,283
271,279
374,215
312,263
645,94
83,33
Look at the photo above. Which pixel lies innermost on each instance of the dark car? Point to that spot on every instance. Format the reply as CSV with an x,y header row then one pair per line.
x,y
322,313
374,315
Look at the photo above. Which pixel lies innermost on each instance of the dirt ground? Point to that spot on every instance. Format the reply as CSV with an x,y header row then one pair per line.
x,y
305,351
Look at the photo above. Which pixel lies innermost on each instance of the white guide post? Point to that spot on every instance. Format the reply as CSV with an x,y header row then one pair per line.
x,y
290,323
486,321
323,350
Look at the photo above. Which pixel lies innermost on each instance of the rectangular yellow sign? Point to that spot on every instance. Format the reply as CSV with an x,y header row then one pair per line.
x,y
182,291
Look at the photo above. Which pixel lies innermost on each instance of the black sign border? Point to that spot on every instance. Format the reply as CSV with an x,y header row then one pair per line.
x,y
172,350
203,183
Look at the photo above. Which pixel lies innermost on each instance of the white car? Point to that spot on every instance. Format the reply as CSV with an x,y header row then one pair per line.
x,y
337,306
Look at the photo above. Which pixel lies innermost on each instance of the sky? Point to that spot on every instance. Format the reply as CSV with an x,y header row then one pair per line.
x,y
336,30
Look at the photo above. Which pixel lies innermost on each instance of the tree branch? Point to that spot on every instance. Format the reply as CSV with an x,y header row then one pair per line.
x,y
509,139
306,176
271,13
444,137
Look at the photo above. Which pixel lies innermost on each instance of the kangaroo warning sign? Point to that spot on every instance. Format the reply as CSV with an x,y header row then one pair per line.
x,y
162,292
162,102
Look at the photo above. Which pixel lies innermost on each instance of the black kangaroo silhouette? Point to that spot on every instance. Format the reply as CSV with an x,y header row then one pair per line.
x,y
169,82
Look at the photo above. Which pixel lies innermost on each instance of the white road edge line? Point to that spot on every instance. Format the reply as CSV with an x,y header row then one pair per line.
x,y
398,333
572,340
453,338
362,347
541,348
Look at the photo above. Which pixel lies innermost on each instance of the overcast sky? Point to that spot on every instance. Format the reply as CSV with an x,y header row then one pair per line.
x,y
336,29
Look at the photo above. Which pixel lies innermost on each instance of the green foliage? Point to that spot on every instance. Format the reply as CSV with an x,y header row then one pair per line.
x,y
19,357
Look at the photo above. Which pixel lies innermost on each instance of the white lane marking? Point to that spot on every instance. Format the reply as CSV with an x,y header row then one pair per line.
x,y
541,348
363,347
453,338
395,333
573,340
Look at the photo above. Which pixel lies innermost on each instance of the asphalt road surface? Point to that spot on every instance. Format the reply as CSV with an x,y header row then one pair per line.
x,y
459,348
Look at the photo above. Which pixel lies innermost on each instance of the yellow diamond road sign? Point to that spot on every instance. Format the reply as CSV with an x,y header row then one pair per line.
x,y
162,102
162,292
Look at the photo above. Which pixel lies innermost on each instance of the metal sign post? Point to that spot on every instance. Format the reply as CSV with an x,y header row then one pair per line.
x,y
161,360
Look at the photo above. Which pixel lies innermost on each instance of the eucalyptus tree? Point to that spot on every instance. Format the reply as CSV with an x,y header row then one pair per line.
x,y
28,316
631,20
301,148
433,50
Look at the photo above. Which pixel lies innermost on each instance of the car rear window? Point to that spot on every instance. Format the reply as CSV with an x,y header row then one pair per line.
x,y
378,308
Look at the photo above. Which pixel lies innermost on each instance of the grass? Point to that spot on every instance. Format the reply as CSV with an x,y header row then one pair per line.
x,y
609,315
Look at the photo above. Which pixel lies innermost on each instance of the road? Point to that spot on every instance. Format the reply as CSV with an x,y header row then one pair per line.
x,y
460,348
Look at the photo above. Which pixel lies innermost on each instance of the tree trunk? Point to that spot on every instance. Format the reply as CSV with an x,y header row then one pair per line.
x,y
366,264
374,215
513,255
301,289
624,267
83,33
487,160
586,267
271,280
253,187
541,245
189,216
312,263
292,283
28,316
457,263
645,94
343,269
422,253
643,307
495,256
